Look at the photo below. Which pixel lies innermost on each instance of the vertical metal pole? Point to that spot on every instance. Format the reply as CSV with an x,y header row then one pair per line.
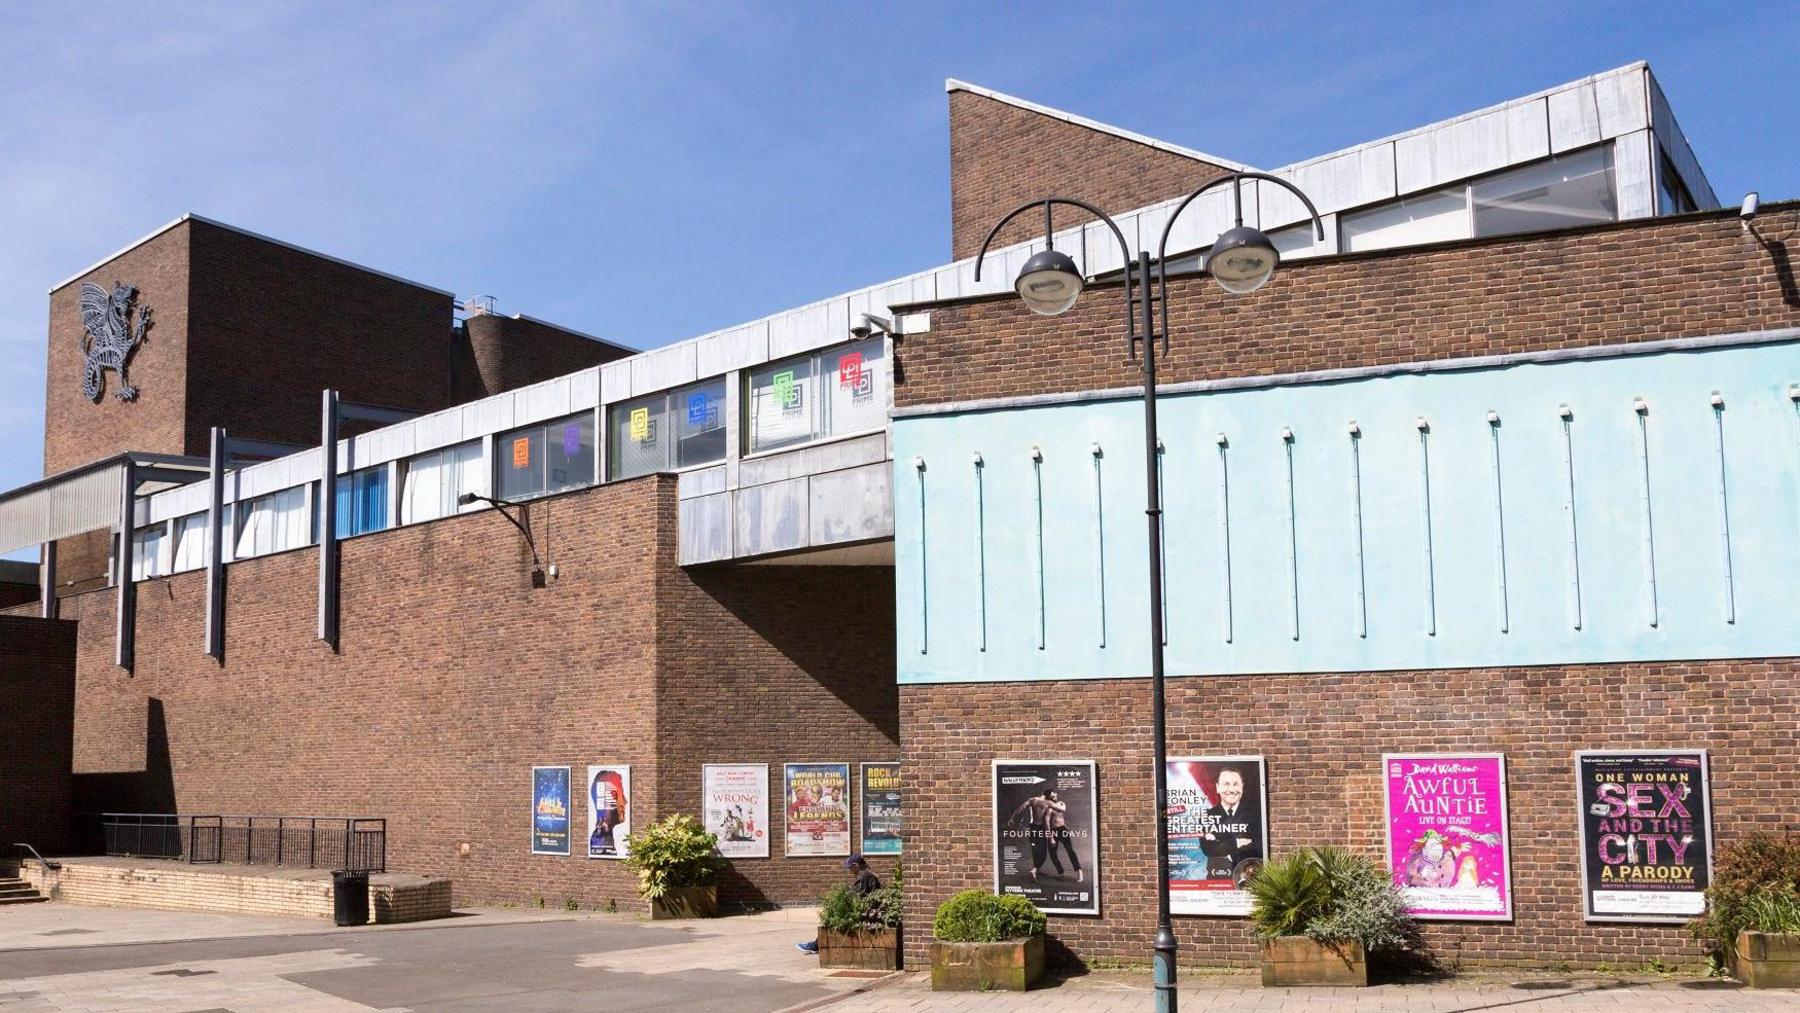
x,y
47,580
215,549
125,630
1164,948
328,542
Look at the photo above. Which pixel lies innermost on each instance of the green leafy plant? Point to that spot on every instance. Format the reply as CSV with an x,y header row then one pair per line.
x,y
571,904
1755,886
672,854
1332,896
843,911
977,916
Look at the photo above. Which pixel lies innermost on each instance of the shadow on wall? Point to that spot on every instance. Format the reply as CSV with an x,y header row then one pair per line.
x,y
151,790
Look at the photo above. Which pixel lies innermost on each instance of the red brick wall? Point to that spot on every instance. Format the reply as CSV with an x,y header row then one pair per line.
x,y
456,677
496,353
37,714
1323,736
1631,281
1002,156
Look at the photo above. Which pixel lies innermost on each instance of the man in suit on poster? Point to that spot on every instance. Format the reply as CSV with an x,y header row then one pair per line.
x,y
1232,830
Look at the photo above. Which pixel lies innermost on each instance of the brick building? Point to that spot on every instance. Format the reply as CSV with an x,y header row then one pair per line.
x,y
900,522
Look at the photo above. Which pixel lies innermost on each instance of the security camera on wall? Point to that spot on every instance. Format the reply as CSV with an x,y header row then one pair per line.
x,y
871,324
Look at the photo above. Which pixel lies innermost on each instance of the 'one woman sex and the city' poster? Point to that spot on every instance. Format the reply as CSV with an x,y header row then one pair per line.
x,y
1447,834
549,810
1046,834
818,808
1646,834
881,790
609,810
737,807
1218,810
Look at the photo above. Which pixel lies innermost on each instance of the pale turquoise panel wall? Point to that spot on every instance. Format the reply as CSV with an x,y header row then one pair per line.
x,y
1004,571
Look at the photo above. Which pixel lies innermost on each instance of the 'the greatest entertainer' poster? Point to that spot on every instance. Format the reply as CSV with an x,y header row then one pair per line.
x,y
1646,834
1218,812
1046,834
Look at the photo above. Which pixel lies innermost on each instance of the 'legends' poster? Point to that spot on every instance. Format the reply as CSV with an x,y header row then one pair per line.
x,y
818,808
549,810
881,808
1218,810
1447,838
1046,834
737,807
609,810
1646,834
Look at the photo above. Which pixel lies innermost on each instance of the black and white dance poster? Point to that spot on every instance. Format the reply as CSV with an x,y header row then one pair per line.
x,y
1047,834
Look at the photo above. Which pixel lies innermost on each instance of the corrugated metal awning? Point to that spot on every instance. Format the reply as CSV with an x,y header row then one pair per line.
x,y
78,500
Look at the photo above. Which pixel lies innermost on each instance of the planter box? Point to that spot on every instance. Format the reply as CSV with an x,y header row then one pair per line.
x,y
877,950
1014,965
1297,960
1767,959
686,902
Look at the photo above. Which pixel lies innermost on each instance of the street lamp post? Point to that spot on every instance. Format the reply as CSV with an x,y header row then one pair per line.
x,y
1241,260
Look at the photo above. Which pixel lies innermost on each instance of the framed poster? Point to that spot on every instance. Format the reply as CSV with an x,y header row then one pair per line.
x,y
1218,813
737,807
549,810
817,796
881,808
1046,834
1447,844
609,809
1646,834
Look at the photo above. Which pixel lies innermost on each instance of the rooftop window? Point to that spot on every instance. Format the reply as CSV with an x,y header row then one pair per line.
x,y
274,523
434,480
836,392
680,428
362,501
546,457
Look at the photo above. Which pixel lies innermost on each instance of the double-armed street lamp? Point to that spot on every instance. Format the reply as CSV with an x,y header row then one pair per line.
x,y
1240,260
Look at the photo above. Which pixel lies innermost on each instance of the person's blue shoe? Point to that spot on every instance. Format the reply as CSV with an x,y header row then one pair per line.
x,y
812,947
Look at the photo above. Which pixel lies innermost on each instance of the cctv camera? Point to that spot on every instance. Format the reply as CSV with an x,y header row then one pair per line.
x,y
870,324
1751,201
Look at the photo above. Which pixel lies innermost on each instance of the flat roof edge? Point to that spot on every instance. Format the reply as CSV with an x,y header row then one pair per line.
x,y
953,85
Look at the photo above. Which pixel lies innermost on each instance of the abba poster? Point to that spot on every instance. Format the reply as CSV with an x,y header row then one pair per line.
x,y
1046,836
1447,841
881,808
609,810
737,807
549,810
818,808
1646,834
1218,812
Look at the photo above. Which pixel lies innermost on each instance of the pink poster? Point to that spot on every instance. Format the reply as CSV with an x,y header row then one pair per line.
x,y
1447,843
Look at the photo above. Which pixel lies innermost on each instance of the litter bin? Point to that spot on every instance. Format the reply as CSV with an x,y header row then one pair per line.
x,y
350,897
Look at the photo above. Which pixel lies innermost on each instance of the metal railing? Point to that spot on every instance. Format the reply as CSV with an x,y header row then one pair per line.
x,y
355,843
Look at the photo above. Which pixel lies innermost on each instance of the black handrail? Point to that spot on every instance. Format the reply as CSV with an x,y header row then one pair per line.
x,y
45,862
355,843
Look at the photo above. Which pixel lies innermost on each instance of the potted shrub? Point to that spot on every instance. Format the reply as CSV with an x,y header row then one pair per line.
x,y
861,932
981,942
1319,914
675,860
1753,910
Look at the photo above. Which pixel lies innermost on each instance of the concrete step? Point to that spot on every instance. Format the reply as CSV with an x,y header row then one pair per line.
x,y
24,898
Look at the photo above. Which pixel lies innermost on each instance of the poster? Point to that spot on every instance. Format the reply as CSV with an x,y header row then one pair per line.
x,y
1646,834
737,807
1046,837
549,810
1447,846
609,810
1218,812
818,808
881,808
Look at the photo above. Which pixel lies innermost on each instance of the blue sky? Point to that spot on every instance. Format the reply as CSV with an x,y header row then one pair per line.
x,y
651,171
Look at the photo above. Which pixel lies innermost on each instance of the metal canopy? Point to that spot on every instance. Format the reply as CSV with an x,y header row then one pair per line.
x,y
83,499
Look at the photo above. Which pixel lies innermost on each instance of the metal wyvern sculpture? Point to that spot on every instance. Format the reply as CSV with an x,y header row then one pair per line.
x,y
110,337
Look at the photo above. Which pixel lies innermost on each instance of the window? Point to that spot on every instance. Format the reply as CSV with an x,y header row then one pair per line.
x,y
1673,193
362,501
680,428
832,393
190,542
150,552
545,458
1559,192
433,482
273,523
1426,218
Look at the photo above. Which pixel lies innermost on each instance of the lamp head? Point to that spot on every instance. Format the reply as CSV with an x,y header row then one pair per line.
x,y
1242,259
1049,283
466,499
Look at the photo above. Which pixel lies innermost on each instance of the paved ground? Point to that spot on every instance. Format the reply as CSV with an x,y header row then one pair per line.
x,y
61,957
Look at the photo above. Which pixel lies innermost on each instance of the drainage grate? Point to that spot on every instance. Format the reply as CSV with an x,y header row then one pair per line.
x,y
69,932
183,972
859,974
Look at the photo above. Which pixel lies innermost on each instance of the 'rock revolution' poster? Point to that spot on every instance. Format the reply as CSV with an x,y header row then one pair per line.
x,y
1046,834
881,808
1218,821
549,810
1446,843
737,807
1646,834
818,808
609,810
